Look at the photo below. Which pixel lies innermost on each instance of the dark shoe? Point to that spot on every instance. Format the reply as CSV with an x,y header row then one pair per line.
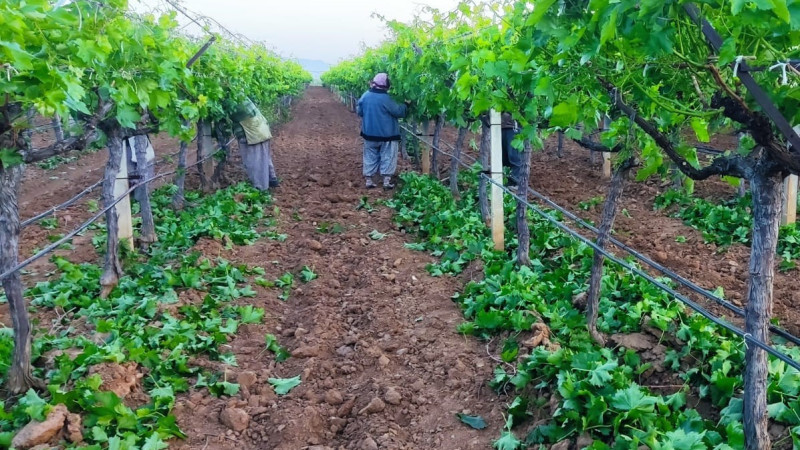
x,y
273,183
388,186
371,184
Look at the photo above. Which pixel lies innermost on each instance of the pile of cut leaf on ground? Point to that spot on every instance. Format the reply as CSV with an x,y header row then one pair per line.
x,y
116,364
562,387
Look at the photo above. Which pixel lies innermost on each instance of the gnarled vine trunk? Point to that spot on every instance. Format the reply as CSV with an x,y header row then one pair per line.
x,y
483,194
148,234
58,130
180,177
219,170
20,378
523,232
766,189
202,151
112,268
606,223
404,144
454,163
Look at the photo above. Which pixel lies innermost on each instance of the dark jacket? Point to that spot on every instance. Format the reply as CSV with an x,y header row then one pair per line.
x,y
380,113
507,121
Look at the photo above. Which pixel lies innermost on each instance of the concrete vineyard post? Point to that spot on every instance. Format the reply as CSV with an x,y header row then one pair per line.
x,y
789,210
125,219
789,215
498,226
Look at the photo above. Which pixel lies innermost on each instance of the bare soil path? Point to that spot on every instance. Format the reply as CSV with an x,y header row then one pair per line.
x,y
373,337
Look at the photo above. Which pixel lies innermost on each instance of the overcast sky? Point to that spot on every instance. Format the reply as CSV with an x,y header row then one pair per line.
x,y
328,30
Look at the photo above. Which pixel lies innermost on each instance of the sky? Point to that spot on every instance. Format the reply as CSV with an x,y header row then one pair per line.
x,y
327,30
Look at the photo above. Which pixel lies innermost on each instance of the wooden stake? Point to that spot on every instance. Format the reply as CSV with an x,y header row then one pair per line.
x,y
125,221
606,156
606,165
789,215
498,225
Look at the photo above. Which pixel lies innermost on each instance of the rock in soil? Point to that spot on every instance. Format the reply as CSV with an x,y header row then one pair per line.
x,y
375,406
334,397
634,341
584,441
234,418
120,379
74,428
369,444
392,397
247,379
36,433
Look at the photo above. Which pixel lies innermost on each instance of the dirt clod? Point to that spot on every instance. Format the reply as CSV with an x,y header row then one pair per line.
x,y
333,397
121,379
392,397
74,430
37,433
247,379
234,418
308,351
634,341
376,405
369,444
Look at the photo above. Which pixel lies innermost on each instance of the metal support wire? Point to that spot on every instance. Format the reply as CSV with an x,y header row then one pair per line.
x,y
699,290
644,259
76,198
97,216
62,206
748,339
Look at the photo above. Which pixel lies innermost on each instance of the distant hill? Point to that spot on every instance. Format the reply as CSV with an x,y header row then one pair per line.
x,y
314,66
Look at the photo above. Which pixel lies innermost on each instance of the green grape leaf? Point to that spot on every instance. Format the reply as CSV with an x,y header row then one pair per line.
x,y
282,386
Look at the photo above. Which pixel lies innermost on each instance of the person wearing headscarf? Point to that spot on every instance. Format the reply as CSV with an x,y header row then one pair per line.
x,y
252,130
380,129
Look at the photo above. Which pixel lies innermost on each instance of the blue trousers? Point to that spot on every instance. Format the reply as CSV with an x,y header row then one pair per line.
x,y
512,158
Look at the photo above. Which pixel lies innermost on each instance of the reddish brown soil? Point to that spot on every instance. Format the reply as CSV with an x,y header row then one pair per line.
x,y
573,179
374,325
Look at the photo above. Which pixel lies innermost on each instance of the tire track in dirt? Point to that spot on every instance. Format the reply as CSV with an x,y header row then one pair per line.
x,y
373,337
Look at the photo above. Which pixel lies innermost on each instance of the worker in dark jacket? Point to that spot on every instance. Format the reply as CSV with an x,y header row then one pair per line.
x,y
381,130
512,158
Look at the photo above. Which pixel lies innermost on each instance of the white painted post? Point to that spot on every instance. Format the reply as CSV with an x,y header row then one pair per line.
x,y
498,225
606,155
124,206
789,215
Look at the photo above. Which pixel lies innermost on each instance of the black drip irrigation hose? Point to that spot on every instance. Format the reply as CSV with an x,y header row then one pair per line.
x,y
60,207
97,216
669,273
747,337
778,331
84,193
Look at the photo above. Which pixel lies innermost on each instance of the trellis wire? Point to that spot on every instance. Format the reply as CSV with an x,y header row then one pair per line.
x,y
748,339
97,216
